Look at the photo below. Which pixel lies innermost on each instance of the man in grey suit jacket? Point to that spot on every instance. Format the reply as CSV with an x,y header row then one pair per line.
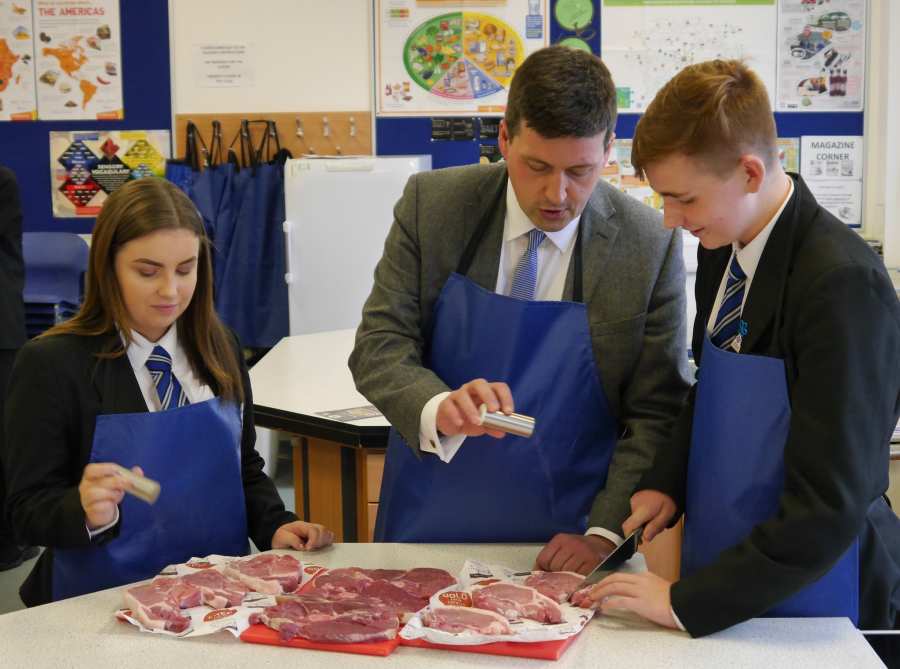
x,y
608,250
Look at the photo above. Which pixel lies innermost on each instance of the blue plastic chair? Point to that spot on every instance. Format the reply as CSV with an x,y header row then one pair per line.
x,y
55,264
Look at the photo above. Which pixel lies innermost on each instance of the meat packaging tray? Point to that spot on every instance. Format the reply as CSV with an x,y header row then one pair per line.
x,y
259,633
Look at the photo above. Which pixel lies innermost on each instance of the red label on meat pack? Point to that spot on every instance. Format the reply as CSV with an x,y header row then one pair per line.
x,y
455,598
488,581
218,614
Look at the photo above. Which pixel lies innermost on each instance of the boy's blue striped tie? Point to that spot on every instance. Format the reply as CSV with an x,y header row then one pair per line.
x,y
727,325
168,389
525,278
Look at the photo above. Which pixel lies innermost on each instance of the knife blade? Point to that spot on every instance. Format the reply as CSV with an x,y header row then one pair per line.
x,y
613,561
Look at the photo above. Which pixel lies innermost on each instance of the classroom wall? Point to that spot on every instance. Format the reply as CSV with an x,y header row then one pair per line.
x,y
25,145
330,67
309,55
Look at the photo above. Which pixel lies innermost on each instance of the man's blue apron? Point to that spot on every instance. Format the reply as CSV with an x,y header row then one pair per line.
x,y
513,489
735,478
194,453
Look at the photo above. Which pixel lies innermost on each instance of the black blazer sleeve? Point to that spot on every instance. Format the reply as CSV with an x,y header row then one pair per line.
x,y
842,340
12,266
42,458
265,510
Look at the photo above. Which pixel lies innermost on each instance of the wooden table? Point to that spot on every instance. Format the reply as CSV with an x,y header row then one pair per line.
x,y
337,465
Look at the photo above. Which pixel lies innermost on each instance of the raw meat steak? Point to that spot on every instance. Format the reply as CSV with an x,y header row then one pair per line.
x,y
557,585
394,597
268,573
158,604
217,590
383,574
316,619
424,581
458,619
342,582
517,601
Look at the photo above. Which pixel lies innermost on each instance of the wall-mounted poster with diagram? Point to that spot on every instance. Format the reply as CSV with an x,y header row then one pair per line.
x,y
17,97
449,57
79,59
85,167
821,55
647,42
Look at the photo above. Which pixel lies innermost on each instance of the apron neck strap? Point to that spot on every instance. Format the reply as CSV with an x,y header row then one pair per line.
x,y
465,262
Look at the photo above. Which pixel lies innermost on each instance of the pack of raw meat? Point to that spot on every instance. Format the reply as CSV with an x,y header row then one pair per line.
x,y
211,594
492,604
349,609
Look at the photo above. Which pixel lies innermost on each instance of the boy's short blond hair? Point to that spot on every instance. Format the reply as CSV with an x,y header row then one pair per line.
x,y
715,112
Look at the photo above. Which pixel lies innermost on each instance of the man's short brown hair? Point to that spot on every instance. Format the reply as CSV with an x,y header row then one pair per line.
x,y
715,112
562,92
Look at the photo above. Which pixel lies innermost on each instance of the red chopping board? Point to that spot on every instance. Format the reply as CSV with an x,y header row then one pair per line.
x,y
259,633
538,650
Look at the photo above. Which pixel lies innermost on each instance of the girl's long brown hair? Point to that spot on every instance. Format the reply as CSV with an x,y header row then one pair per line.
x,y
136,209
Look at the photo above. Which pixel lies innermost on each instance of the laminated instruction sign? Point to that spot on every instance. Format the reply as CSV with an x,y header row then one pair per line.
x,y
832,168
447,57
86,167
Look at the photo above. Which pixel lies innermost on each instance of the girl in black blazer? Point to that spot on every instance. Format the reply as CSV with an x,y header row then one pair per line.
x,y
145,376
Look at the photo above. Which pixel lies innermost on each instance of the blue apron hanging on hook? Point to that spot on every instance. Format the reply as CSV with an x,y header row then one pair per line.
x,y
253,297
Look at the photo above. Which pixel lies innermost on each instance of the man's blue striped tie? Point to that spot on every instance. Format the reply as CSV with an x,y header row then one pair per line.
x,y
727,325
525,278
168,389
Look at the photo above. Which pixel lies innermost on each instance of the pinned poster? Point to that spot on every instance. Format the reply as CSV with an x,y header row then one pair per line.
x,y
86,167
445,57
619,172
17,96
647,42
78,54
832,168
821,55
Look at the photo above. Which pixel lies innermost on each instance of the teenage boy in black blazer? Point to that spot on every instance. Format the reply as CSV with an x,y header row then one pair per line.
x,y
818,304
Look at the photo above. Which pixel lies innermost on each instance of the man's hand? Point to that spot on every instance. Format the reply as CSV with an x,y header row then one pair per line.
x,y
652,509
574,552
458,412
646,594
302,536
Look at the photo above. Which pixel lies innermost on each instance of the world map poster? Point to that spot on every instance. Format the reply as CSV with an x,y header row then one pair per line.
x,y
17,98
78,58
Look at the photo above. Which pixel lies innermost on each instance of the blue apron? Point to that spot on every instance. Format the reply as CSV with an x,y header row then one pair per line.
x,y
513,489
736,475
252,295
194,453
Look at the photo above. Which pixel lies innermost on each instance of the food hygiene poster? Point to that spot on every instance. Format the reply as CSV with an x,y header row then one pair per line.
x,y
86,167
60,60
445,57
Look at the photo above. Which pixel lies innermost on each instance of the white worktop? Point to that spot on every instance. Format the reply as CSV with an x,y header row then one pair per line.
x,y
82,632
306,374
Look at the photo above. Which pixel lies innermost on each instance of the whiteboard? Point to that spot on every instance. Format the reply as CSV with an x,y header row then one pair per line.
x,y
338,212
